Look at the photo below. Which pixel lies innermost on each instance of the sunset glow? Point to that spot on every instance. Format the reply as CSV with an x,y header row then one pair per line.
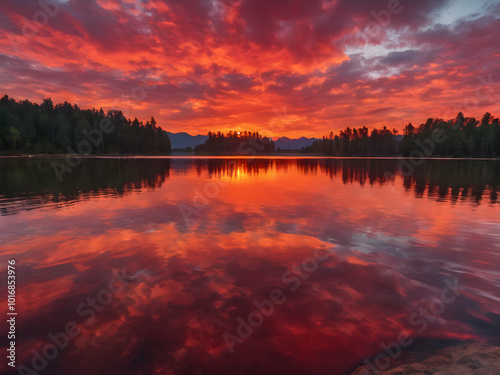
x,y
294,67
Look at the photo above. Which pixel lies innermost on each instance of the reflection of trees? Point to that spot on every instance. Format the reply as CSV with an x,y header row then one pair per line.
x,y
234,167
27,184
456,180
439,179
373,171
350,170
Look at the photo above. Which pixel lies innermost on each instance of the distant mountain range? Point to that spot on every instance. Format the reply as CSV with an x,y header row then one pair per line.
x,y
286,143
184,140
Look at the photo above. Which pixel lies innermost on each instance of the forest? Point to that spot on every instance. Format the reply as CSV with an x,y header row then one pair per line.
x,y
459,137
27,127
235,142
30,128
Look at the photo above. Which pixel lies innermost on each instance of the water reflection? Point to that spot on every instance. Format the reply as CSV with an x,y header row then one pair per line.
x,y
34,184
188,281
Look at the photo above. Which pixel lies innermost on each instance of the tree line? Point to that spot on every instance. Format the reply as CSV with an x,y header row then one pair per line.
x,y
45,128
458,137
235,143
357,142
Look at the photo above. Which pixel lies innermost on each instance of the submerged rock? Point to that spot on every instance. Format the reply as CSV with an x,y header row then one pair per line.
x,y
468,359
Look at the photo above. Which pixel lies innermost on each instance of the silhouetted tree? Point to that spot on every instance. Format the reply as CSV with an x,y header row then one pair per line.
x,y
235,143
459,137
47,128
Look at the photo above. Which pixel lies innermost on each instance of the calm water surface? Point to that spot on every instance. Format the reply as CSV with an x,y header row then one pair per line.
x,y
200,241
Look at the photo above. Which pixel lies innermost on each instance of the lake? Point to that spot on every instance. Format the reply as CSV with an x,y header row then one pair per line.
x,y
247,266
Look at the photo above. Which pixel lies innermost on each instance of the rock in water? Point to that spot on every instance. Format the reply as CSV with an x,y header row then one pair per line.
x,y
468,359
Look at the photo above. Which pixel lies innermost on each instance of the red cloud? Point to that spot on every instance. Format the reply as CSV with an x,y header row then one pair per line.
x,y
198,65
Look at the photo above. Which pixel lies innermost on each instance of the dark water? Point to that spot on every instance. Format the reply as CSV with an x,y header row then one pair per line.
x,y
158,261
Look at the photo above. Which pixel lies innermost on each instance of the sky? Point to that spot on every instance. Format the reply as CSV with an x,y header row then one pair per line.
x,y
281,67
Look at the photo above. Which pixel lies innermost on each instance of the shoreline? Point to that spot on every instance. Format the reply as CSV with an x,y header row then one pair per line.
x,y
270,156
